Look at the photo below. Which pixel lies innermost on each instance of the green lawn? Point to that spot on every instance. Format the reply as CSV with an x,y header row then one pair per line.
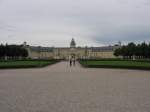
x,y
116,64
26,63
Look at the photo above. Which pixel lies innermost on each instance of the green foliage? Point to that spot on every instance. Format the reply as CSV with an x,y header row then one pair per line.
x,y
25,63
12,51
128,64
140,51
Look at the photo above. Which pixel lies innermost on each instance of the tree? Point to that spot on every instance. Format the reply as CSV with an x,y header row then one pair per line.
x,y
118,52
132,50
12,51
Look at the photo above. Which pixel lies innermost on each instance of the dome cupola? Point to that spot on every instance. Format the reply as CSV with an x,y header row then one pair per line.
x,y
72,44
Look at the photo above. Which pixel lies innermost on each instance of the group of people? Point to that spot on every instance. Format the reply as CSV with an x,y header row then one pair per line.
x,y
72,61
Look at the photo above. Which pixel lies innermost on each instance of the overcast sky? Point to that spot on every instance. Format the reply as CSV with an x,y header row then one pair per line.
x,y
90,22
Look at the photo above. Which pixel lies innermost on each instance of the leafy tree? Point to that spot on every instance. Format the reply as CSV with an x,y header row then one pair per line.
x,y
132,50
12,51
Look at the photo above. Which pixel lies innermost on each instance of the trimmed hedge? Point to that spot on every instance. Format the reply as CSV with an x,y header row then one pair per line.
x,y
126,64
116,59
26,63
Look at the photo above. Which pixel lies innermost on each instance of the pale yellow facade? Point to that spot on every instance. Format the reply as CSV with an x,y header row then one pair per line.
x,y
103,54
66,52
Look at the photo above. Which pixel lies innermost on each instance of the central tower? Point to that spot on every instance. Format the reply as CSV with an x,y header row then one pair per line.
x,y
72,43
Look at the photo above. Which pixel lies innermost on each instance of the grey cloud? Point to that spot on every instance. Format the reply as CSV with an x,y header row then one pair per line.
x,y
98,22
146,2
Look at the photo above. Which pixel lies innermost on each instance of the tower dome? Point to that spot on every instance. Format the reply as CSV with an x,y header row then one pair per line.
x,y
72,44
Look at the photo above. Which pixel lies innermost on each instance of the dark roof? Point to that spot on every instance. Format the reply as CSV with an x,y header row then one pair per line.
x,y
72,42
41,49
104,49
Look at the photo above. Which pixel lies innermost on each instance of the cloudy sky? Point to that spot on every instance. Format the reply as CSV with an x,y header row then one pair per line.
x,y
90,22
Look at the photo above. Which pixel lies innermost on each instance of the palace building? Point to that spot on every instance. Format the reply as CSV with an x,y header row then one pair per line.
x,y
38,52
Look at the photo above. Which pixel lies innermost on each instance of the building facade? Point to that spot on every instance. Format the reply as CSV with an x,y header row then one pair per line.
x,y
38,52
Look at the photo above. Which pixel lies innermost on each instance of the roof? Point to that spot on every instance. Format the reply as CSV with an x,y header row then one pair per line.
x,y
72,42
104,49
41,49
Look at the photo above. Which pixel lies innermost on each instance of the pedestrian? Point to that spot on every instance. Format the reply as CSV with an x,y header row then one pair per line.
x,y
74,61
70,62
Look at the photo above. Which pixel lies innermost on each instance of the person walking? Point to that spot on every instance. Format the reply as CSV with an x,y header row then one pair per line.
x,y
70,61
74,61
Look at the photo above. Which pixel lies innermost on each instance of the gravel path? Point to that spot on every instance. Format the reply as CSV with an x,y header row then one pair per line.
x,y
59,88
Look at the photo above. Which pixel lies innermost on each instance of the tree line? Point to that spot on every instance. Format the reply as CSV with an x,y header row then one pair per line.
x,y
134,51
12,52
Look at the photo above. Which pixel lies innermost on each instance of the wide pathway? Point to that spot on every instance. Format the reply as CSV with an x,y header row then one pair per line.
x,y
60,88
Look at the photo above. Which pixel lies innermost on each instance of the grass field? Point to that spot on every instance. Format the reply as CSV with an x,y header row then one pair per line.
x,y
26,63
128,64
